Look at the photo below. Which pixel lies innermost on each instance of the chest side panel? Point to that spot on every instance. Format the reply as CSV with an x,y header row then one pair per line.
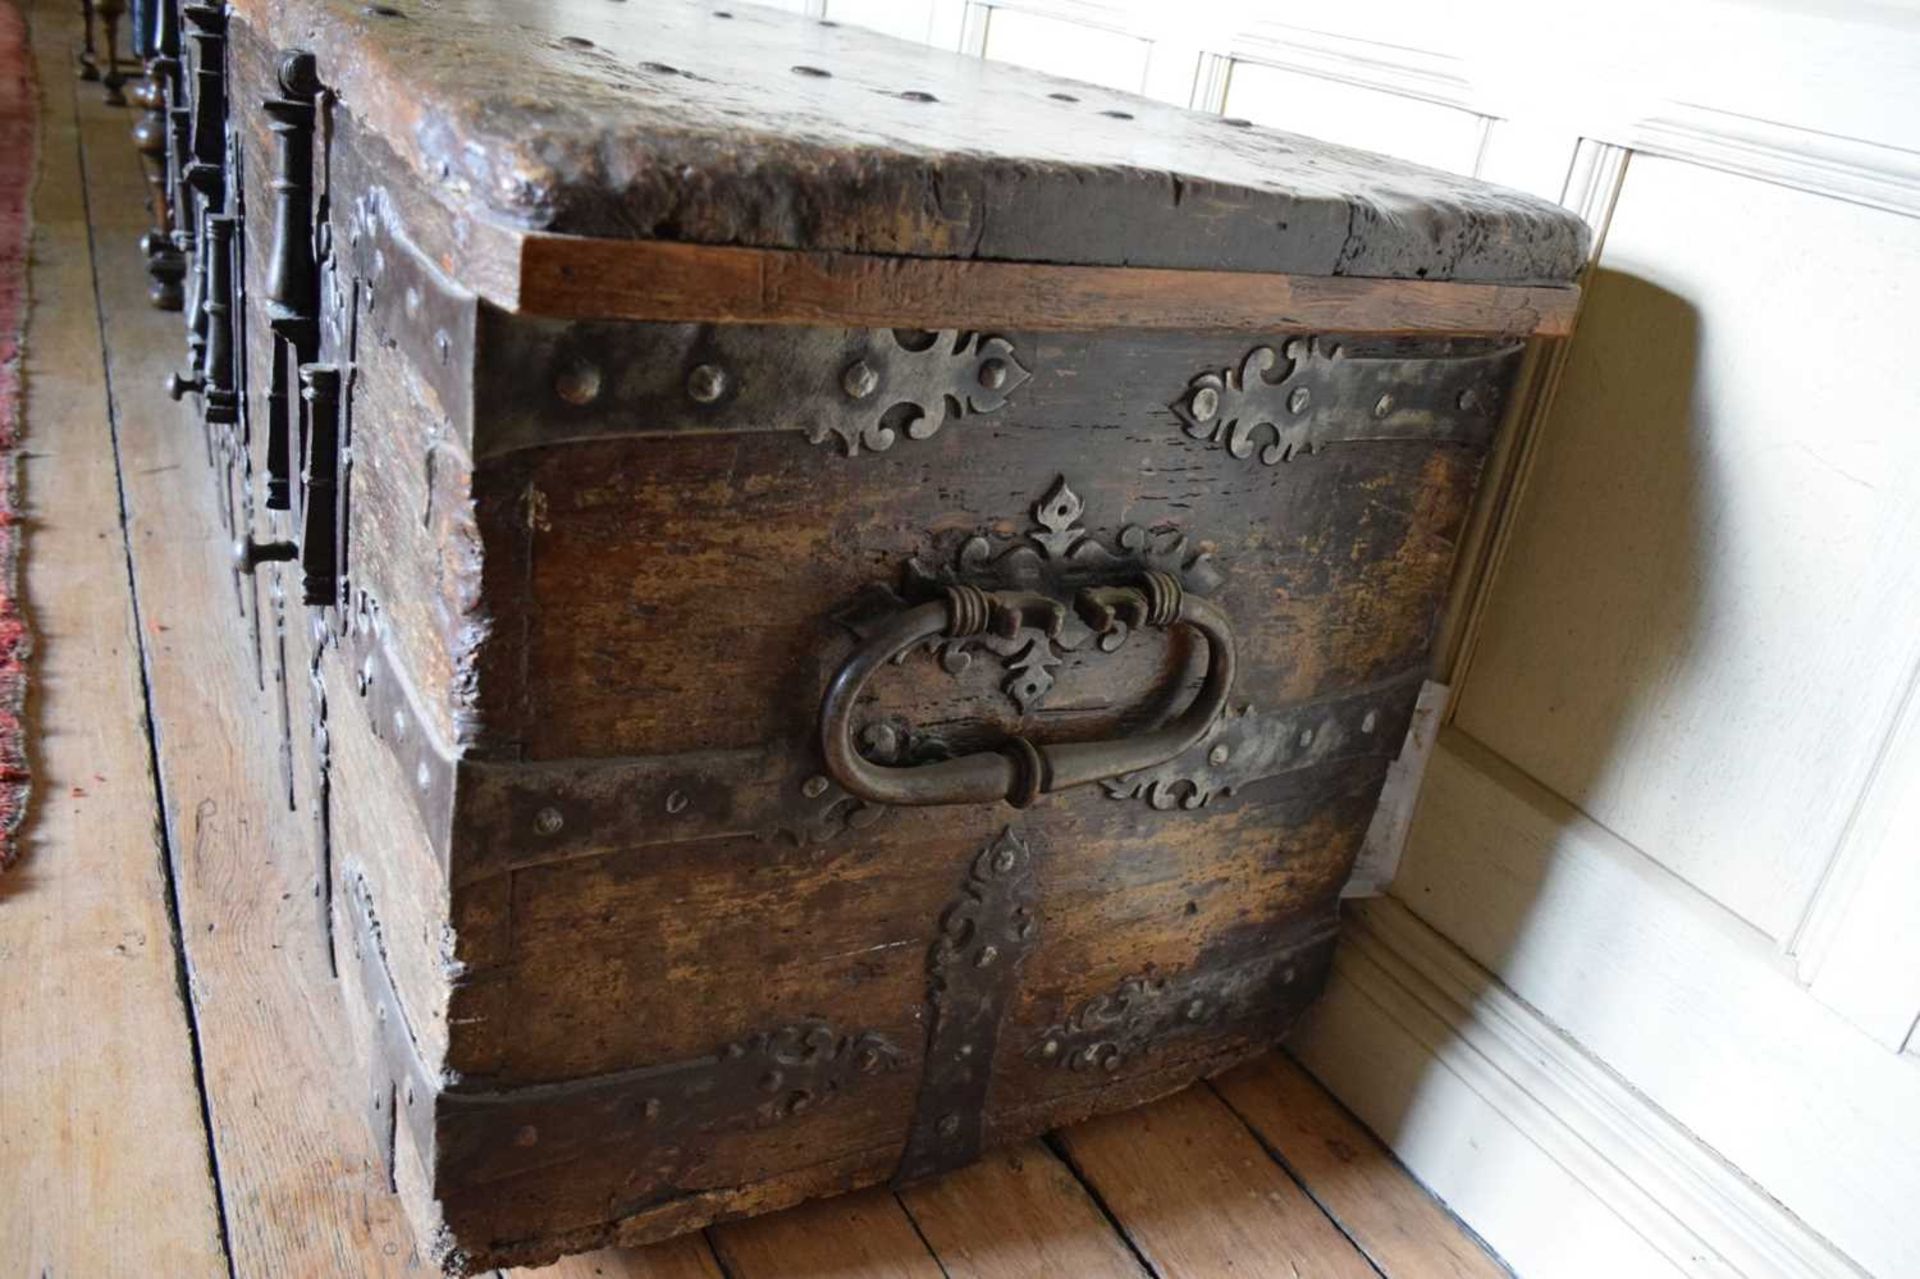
x,y
692,528
693,570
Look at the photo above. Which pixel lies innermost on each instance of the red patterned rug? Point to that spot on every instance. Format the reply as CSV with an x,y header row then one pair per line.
x,y
18,121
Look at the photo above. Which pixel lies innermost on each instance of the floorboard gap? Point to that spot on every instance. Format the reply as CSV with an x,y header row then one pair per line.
x,y
921,1235
183,962
1060,1151
1307,1189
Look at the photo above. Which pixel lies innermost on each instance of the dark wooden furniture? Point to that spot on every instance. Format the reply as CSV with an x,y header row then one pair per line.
x,y
832,604
158,94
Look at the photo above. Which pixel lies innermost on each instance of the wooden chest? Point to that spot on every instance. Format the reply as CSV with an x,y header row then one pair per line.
x,y
833,604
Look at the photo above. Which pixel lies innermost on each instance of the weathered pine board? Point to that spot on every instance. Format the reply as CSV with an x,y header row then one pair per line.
x,y
1400,1227
303,1186
1198,1195
687,1257
1018,1214
866,1235
93,1029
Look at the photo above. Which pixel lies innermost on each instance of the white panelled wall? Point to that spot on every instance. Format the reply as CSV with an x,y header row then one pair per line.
x,y
1641,998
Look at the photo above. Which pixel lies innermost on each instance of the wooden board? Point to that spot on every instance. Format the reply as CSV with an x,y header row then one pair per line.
x,y
576,278
679,121
688,1257
93,1029
1018,1214
1197,1195
1350,1175
866,1235
303,1185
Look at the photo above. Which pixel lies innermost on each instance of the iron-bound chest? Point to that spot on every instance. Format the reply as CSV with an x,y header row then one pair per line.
x,y
836,604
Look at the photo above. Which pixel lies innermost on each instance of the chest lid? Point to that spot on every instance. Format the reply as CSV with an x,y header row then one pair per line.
x,y
717,123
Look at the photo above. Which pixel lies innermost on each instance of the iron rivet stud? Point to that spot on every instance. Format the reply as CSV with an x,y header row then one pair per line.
x,y
1370,721
1383,405
1196,1009
986,957
578,383
882,741
949,1125
1203,404
814,787
677,801
707,383
859,380
1218,755
993,374
1297,402
548,821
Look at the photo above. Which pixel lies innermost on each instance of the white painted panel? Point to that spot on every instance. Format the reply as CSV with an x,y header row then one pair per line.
x,y
1712,602
1473,1060
908,19
1389,123
1403,1071
1690,1005
1070,49
1863,954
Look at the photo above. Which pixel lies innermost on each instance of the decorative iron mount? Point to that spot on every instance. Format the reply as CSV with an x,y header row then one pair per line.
x,y
305,422
1022,770
1055,559
1279,404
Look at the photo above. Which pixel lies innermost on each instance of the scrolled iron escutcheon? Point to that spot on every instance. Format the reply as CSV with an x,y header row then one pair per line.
x,y
1022,771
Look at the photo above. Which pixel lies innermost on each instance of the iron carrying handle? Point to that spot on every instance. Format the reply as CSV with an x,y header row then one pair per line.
x,y
1022,771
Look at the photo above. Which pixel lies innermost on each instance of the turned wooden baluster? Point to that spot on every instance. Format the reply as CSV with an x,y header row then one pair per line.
x,y
111,11
293,283
152,138
319,487
89,65
198,120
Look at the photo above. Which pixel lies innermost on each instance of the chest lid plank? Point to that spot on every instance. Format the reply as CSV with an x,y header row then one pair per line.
x,y
721,124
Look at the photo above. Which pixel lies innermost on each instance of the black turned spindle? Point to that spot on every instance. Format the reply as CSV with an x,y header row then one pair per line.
x,y
111,11
293,280
180,126
89,68
319,486
207,34
217,370
152,138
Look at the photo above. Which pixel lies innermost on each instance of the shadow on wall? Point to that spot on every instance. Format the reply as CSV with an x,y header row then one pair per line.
x,y
1597,607
1596,610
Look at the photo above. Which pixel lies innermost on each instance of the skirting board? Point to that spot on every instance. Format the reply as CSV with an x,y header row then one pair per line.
x,y
1562,1167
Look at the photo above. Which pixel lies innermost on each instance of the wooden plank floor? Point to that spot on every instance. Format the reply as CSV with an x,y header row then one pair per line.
x,y
174,1093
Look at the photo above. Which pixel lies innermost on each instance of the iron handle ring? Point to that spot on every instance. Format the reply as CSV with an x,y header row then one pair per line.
x,y
1023,770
